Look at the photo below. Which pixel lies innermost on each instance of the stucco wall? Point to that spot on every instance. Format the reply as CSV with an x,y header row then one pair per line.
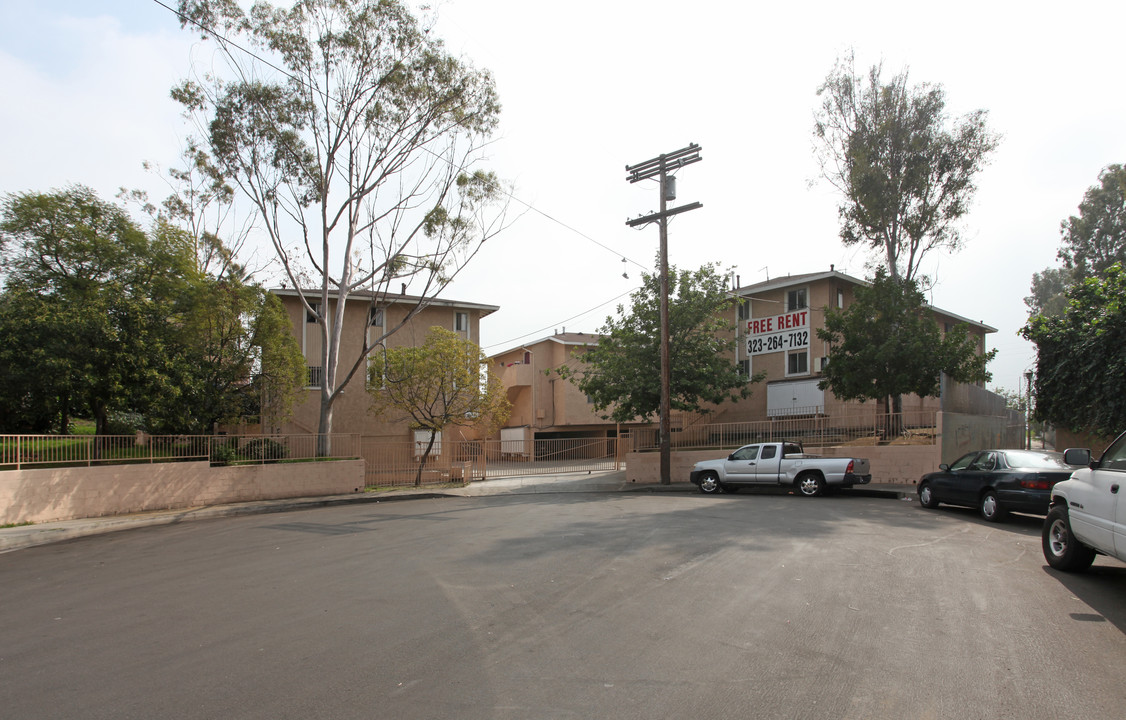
x,y
45,495
964,433
901,464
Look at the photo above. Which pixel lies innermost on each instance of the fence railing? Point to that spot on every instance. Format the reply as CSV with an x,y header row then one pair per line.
x,y
396,464
24,451
917,427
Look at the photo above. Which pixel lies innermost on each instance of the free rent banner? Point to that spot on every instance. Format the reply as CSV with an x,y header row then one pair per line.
x,y
788,331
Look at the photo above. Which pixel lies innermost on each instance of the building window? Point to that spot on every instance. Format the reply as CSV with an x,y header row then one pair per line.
x,y
743,309
797,362
796,300
461,322
314,376
840,299
375,317
745,368
311,317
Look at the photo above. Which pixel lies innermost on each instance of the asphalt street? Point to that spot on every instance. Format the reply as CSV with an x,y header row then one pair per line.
x,y
580,605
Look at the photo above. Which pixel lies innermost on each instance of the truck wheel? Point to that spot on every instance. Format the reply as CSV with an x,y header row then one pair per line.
x,y
810,484
1061,549
991,508
926,496
709,484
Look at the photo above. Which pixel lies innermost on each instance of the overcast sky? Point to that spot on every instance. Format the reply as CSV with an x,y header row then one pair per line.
x,y
590,87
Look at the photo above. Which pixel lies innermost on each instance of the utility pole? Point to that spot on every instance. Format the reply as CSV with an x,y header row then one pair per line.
x,y
660,167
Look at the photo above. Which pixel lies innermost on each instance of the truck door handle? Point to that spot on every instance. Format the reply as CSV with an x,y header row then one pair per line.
x,y
1114,489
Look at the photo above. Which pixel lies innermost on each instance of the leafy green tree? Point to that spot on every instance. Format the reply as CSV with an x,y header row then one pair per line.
x,y
622,373
1049,290
99,316
906,174
1092,241
443,383
1080,362
101,287
1096,238
357,146
887,344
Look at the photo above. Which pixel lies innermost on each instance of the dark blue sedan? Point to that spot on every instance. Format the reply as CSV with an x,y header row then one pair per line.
x,y
996,482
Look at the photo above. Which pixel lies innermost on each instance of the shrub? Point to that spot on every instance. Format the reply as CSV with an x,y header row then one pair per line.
x,y
264,449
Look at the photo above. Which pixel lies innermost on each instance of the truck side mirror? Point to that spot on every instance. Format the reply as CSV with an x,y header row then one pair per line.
x,y
1077,456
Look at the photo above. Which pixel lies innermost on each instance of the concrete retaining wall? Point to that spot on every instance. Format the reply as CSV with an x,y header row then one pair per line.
x,y
45,495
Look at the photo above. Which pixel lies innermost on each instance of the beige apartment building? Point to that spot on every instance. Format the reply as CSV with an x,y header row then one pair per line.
x,y
544,405
776,325
365,315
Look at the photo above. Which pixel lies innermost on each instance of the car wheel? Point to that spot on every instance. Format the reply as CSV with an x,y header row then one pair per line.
x,y
709,484
811,484
1061,549
991,508
926,496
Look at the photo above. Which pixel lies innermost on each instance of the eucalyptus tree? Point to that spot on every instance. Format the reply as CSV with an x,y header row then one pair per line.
x,y
905,170
355,136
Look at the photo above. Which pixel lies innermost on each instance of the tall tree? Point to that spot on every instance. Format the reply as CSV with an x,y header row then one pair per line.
x,y
443,383
905,171
99,316
1092,241
1080,363
887,344
83,268
357,147
1096,238
621,374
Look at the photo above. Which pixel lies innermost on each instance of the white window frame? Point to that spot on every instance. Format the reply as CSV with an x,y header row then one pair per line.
x,y
805,298
792,353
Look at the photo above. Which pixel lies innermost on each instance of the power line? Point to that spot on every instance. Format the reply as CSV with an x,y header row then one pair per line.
x,y
301,81
549,327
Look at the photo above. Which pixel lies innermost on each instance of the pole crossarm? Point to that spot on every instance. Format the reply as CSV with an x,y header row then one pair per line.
x,y
663,163
652,217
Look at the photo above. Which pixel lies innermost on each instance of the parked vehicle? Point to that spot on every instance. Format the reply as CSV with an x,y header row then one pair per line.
x,y
996,482
779,463
1087,514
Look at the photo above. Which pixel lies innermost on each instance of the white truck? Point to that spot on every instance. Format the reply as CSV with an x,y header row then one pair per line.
x,y
1087,513
779,463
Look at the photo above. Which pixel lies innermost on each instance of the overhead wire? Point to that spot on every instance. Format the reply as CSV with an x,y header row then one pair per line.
x,y
223,39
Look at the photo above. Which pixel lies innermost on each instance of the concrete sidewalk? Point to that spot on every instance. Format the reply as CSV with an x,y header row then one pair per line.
x,y
14,538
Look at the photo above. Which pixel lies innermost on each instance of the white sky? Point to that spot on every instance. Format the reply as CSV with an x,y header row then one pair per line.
x,y
590,87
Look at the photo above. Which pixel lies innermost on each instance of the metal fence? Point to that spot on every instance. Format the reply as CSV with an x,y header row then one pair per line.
x,y
25,451
918,427
398,464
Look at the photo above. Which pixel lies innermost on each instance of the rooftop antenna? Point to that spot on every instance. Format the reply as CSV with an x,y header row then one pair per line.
x,y
767,269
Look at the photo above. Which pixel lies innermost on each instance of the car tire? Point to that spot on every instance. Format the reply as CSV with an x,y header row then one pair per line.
x,y
991,509
709,484
926,496
1061,549
810,484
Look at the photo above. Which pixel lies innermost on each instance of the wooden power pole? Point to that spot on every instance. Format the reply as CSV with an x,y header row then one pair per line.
x,y
660,167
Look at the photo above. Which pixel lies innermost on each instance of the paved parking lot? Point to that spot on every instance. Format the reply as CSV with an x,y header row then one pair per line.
x,y
564,606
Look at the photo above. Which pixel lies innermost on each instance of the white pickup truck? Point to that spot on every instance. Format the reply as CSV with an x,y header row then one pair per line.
x,y
1087,513
779,463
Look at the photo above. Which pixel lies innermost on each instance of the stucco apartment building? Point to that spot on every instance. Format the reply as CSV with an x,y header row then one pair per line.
x,y
373,316
777,322
776,325
543,403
